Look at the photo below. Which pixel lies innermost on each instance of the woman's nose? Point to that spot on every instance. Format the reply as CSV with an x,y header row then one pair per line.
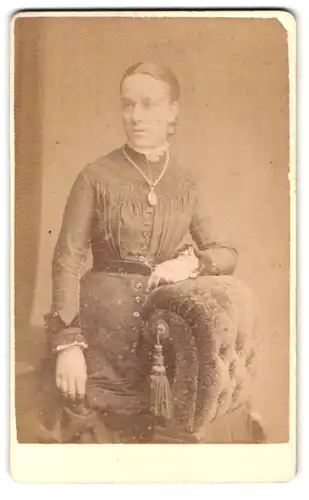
x,y
136,114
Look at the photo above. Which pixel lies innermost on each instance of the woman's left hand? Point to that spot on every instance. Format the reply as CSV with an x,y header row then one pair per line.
x,y
173,271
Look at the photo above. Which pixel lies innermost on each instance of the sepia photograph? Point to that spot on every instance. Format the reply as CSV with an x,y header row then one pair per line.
x,y
152,164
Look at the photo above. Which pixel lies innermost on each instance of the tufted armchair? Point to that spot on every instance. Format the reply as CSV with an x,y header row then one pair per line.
x,y
208,330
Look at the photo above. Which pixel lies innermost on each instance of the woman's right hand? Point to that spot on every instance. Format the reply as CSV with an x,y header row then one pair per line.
x,y
71,372
173,271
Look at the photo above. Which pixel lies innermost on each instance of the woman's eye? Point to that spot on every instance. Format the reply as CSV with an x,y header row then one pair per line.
x,y
127,105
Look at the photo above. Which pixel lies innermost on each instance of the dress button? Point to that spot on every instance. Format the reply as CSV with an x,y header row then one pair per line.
x,y
136,314
145,234
134,347
149,210
147,222
138,285
143,248
142,258
138,299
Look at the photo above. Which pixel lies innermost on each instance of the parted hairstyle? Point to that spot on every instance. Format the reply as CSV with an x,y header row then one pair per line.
x,y
157,71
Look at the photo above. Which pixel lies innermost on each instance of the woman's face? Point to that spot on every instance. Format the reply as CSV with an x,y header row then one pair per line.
x,y
147,110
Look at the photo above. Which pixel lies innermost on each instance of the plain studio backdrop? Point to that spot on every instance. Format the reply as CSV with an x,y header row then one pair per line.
x,y
233,130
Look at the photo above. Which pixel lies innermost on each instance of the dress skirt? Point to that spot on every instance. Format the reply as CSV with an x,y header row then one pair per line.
x,y
110,312
116,404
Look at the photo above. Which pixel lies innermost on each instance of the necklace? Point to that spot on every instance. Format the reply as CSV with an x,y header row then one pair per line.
x,y
152,197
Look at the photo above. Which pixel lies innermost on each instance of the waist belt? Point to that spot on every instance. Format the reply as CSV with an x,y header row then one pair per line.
x,y
123,266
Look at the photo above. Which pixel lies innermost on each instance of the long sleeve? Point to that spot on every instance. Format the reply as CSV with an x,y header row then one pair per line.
x,y
212,244
70,252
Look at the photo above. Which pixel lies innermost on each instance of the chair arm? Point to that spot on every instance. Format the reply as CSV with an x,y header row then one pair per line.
x,y
212,322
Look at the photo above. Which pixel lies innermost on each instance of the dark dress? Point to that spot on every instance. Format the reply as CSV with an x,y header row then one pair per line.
x,y
108,211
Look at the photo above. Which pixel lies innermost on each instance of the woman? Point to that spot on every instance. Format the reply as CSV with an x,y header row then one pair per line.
x,y
133,207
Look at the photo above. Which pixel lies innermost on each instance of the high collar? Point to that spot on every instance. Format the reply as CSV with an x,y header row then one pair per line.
x,y
153,155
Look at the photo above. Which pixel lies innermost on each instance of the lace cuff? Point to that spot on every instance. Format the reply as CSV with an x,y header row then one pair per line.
x,y
217,260
186,250
76,343
60,335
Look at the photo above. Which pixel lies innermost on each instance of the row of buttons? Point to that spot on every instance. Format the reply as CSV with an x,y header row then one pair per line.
x,y
137,299
143,258
146,234
149,211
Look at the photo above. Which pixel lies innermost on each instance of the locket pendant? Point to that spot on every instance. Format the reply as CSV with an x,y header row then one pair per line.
x,y
152,198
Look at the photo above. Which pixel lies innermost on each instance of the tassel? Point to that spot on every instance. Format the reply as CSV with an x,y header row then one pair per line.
x,y
160,392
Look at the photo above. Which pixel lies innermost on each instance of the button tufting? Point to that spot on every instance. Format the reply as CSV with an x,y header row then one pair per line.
x,y
249,359
138,285
223,350
136,314
208,381
232,369
222,397
236,391
238,346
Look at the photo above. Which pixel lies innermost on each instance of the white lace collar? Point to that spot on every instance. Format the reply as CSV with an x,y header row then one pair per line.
x,y
153,154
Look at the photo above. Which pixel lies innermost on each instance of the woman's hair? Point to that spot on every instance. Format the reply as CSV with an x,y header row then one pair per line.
x,y
162,73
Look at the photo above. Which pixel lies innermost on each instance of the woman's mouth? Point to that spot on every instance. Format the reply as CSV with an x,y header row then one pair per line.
x,y
138,131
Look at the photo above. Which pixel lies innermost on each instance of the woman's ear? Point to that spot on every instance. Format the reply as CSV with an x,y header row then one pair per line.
x,y
172,119
173,111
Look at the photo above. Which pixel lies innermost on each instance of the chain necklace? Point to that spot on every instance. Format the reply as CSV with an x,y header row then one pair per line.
x,y
152,197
